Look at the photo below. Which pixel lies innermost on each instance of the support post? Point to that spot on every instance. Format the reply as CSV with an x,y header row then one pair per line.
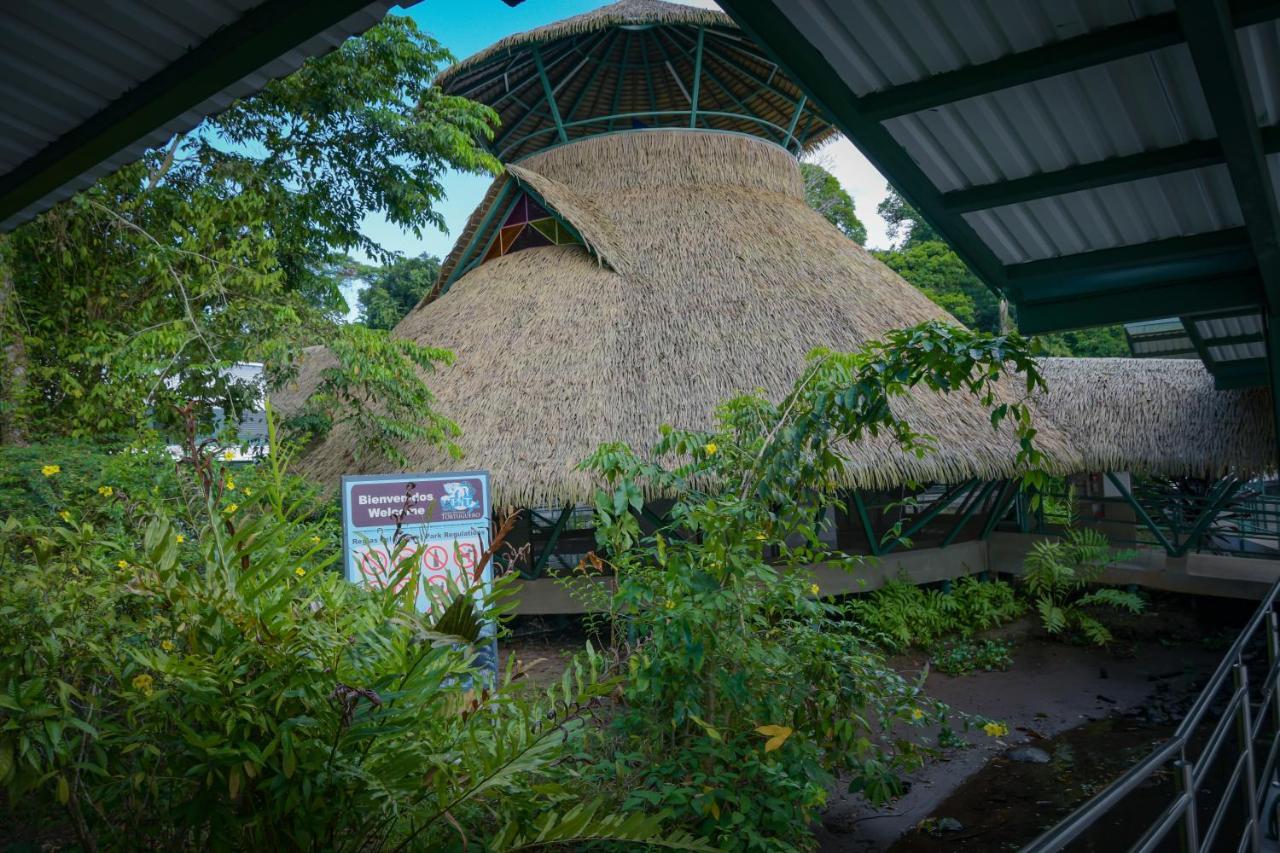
x,y
545,555
948,497
795,119
861,507
1170,549
1000,507
697,79
1218,500
551,96
976,500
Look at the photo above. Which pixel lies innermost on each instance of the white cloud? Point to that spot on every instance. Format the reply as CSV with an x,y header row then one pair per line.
x,y
860,180
854,172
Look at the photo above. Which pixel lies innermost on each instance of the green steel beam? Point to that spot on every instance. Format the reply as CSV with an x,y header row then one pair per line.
x,y
648,77
1142,513
1245,373
872,543
1221,496
464,260
554,537
1085,307
1000,507
697,79
622,73
550,95
257,38
1114,170
1084,51
710,74
1128,39
1209,253
1273,369
947,498
1197,342
607,42
767,23
1211,37
795,119
1215,51
976,499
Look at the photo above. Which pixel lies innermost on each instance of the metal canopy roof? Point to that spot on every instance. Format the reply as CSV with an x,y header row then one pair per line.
x,y
633,64
87,87
1097,162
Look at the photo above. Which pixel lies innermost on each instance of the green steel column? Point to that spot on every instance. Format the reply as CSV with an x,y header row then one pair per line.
x,y
697,79
551,95
872,543
1142,514
545,556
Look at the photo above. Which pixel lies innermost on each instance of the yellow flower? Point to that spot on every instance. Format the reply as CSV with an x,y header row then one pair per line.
x,y
230,509
761,536
179,539
64,515
50,470
247,491
996,729
231,485
711,448
228,455
143,682
813,589
300,572
167,645
671,605
917,714
106,491
315,540
122,564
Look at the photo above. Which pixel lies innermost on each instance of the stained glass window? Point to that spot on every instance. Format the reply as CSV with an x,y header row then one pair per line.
x,y
529,224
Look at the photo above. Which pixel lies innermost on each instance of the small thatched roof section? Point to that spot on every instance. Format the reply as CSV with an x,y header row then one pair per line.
x,y
1158,416
630,65
730,279
598,233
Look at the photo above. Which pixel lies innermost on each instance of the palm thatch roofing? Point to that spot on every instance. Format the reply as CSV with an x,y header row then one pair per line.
x,y
1157,416
720,279
631,64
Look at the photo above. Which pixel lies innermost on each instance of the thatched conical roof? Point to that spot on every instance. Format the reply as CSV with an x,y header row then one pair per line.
x,y
723,280
630,64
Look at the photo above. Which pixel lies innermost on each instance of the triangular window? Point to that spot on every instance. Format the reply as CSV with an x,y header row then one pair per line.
x,y
528,225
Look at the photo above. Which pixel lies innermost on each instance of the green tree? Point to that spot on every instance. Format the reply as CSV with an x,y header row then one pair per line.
x,y
925,260
391,291
905,225
1090,343
825,195
138,292
941,275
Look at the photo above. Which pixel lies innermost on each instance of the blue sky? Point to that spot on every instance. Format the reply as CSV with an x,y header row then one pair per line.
x,y
467,27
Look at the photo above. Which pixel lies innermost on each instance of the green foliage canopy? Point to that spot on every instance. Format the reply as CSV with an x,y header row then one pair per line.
x,y
391,291
825,195
137,294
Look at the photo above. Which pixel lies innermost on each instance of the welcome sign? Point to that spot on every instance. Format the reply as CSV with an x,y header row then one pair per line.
x,y
441,519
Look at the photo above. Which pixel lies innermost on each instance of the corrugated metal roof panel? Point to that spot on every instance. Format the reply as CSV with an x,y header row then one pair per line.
x,y
61,65
1175,205
900,41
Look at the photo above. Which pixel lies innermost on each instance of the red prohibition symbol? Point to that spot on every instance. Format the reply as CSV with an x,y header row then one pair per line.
x,y
435,558
467,555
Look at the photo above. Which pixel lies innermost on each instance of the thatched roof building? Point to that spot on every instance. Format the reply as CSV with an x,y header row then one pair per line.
x,y
648,253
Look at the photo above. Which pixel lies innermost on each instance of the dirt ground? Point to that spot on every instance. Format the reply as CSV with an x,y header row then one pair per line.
x,y
1051,688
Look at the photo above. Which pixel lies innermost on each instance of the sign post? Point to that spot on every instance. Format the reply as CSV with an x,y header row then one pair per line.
x,y
443,519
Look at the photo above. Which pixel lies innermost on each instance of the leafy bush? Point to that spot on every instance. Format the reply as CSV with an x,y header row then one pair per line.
x,y
900,614
1058,573
968,656
745,695
209,683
